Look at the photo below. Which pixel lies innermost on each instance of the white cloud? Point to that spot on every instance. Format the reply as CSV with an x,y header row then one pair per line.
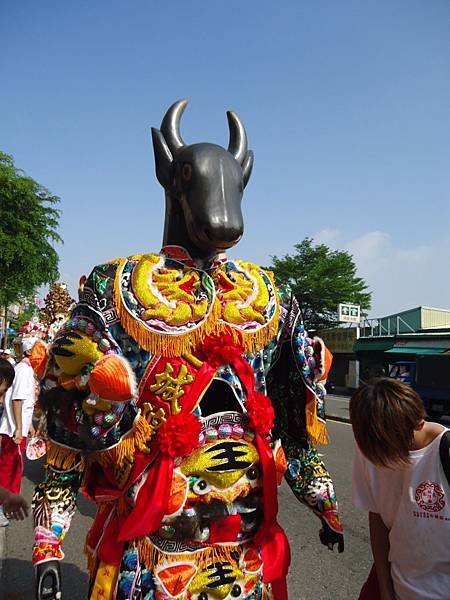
x,y
371,250
400,275
326,236
421,254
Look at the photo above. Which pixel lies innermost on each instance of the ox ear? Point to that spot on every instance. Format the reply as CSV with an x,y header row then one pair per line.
x,y
247,167
163,158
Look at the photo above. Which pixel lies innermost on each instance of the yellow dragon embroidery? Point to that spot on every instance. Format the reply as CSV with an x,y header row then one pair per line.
x,y
168,294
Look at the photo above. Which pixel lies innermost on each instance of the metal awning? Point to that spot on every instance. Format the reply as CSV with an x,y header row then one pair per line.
x,y
414,350
370,345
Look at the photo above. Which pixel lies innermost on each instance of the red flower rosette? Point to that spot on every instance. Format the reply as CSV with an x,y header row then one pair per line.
x,y
178,436
260,413
221,350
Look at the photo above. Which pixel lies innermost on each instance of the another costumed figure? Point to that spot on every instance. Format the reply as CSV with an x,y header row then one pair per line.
x,y
57,308
157,401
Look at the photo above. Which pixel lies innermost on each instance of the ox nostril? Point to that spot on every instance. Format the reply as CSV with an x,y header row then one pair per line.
x,y
221,237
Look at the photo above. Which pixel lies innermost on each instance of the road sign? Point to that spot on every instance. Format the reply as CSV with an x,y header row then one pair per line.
x,y
349,313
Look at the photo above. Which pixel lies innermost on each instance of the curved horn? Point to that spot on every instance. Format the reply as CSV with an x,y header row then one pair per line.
x,y
238,137
170,126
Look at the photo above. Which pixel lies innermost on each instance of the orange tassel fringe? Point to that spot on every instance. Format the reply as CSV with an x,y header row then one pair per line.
x,y
316,428
137,438
152,557
63,459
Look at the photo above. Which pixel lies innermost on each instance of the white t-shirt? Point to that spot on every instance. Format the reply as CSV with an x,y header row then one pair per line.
x,y
414,504
23,388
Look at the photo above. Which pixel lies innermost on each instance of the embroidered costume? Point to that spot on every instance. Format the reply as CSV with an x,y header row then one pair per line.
x,y
157,401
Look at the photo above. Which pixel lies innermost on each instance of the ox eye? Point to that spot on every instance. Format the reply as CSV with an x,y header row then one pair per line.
x,y
253,473
186,171
201,487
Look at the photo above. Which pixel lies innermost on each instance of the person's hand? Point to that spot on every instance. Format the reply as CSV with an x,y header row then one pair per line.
x,y
17,437
31,431
329,538
15,507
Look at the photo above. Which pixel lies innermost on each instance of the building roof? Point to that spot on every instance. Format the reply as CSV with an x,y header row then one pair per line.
x,y
420,318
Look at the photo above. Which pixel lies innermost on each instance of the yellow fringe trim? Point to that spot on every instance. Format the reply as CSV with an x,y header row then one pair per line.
x,y
152,557
138,437
176,345
63,459
316,428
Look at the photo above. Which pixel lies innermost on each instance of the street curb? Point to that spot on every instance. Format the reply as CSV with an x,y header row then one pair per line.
x,y
338,419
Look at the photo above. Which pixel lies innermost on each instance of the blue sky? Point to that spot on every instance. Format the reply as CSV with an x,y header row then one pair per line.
x,y
346,106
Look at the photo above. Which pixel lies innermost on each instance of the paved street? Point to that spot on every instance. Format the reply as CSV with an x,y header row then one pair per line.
x,y
337,407
316,573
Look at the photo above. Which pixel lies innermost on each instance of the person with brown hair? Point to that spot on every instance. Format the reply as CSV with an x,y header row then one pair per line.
x,y
399,479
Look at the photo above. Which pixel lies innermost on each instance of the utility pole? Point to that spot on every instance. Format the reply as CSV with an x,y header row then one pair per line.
x,y
5,328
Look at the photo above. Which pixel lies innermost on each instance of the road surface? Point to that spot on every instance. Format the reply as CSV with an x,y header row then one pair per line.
x,y
315,574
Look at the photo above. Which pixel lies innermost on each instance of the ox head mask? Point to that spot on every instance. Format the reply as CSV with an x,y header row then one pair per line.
x,y
204,184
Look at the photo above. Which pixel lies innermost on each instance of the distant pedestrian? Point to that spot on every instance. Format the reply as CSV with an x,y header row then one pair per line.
x,y
6,379
16,423
7,355
13,505
400,476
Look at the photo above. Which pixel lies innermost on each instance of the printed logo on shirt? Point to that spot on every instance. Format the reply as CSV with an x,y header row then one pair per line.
x,y
430,496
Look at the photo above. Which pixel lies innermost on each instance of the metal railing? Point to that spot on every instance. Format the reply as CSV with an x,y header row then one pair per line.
x,y
389,326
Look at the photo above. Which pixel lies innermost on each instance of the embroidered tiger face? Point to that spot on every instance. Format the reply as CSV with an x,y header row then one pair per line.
x,y
215,494
222,469
237,577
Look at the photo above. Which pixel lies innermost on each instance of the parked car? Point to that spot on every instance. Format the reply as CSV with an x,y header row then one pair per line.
x,y
429,376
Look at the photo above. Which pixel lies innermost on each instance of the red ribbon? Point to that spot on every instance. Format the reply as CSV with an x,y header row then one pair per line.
x,y
272,540
153,497
275,551
151,503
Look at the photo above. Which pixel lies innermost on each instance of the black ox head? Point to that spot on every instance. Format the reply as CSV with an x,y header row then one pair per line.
x,y
204,185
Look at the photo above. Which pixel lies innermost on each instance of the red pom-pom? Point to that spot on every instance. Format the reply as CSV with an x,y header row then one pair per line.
x,y
260,413
221,350
178,436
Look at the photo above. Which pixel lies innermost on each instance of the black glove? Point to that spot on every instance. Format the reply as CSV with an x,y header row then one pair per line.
x,y
48,581
329,538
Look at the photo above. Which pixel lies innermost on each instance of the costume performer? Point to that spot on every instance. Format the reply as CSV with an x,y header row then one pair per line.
x,y
157,400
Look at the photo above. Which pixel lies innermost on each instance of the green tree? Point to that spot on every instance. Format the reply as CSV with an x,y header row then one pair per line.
x,y
28,227
321,278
